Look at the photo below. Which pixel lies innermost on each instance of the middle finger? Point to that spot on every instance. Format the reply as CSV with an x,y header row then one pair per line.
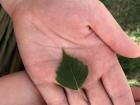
x,y
97,94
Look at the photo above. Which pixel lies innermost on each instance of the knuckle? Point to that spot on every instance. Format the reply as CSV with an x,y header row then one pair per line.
x,y
121,94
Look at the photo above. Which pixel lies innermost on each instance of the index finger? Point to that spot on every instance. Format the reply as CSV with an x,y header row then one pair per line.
x,y
117,86
106,27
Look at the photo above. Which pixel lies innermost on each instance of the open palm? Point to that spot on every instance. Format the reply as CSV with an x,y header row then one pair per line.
x,y
85,30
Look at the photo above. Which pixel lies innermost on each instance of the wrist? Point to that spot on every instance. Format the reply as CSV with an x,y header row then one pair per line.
x,y
9,5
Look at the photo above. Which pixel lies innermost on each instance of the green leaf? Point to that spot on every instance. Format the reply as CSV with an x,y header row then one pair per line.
x,y
71,72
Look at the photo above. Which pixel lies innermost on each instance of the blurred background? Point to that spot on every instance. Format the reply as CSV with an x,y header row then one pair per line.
x,y
127,13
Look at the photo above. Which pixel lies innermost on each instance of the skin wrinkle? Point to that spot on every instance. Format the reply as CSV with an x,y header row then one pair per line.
x,y
63,20
63,38
44,34
86,95
70,22
79,46
66,94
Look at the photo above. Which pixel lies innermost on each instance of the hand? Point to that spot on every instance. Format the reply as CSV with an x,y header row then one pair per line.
x,y
86,30
28,94
136,94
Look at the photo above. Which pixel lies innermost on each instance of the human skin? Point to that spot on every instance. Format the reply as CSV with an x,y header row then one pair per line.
x,y
83,28
18,89
136,93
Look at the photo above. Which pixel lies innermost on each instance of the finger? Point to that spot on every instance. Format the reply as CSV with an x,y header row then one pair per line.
x,y
97,94
103,23
136,93
44,80
137,103
76,97
116,85
53,94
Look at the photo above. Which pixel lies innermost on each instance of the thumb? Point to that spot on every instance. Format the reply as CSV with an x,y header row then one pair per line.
x,y
105,26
